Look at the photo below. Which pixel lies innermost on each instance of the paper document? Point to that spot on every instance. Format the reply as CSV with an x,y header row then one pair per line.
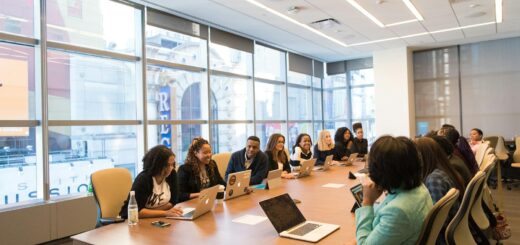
x,y
333,185
249,219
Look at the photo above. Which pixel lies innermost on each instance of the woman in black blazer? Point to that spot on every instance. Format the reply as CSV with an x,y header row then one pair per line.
x,y
277,156
199,171
343,142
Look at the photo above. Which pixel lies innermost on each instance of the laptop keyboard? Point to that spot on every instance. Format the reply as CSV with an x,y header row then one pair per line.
x,y
304,229
188,214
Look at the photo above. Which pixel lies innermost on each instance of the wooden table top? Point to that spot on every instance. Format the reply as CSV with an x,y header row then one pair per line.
x,y
321,204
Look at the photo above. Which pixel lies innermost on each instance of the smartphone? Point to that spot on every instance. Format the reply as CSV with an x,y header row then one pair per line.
x,y
161,224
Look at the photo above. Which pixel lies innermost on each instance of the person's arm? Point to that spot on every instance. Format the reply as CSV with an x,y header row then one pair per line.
x,y
175,195
164,211
260,171
436,186
184,176
340,152
393,227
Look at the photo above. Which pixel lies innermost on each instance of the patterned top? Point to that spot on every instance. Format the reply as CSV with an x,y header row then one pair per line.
x,y
438,184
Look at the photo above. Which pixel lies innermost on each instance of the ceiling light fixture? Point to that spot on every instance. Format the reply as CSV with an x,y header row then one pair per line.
x,y
498,9
293,10
366,13
414,10
272,11
423,34
325,23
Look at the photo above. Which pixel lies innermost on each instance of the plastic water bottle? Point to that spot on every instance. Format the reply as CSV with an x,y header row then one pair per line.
x,y
133,211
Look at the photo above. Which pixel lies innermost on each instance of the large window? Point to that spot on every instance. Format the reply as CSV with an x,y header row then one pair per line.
x,y
114,86
348,96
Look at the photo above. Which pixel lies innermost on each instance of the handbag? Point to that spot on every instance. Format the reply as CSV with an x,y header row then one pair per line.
x,y
501,231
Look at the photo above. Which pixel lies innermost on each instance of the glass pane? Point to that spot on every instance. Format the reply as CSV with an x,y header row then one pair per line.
x,y
316,105
335,104
369,129
363,102
264,130
83,87
270,101
230,137
18,170
94,24
176,94
231,60
269,63
295,129
300,107
175,47
361,77
317,128
231,98
298,78
17,101
177,137
316,82
335,81
78,151
333,125
17,17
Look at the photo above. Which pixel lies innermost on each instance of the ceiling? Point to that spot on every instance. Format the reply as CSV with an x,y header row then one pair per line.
x,y
446,22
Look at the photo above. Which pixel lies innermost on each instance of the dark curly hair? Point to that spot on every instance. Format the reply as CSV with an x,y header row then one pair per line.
x,y
300,138
394,162
339,136
192,160
156,159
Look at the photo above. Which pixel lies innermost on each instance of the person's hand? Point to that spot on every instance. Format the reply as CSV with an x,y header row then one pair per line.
x,y
174,212
286,175
344,158
249,190
371,193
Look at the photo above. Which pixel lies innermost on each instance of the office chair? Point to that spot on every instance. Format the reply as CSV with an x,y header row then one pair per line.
x,y
481,214
516,162
458,230
222,160
479,156
111,187
436,218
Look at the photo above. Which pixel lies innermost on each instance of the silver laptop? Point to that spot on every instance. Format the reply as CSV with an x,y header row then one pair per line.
x,y
205,203
351,159
237,184
274,179
305,168
326,164
290,222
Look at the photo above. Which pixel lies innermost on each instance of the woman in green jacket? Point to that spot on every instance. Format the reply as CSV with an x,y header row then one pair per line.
x,y
394,168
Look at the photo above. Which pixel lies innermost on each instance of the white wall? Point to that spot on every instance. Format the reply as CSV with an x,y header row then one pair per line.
x,y
394,100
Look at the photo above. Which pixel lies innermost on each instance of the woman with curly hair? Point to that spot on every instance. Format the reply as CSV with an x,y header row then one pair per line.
x,y
199,170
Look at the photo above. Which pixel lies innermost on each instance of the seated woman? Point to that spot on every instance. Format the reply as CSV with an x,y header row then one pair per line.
x,y
359,144
342,144
277,156
455,161
324,147
395,168
198,171
156,190
301,150
475,139
461,148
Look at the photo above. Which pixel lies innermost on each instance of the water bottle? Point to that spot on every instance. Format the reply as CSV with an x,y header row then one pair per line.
x,y
133,211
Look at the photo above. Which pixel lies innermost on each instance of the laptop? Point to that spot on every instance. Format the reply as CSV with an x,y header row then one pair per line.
x,y
290,222
274,179
351,159
305,168
365,168
237,184
204,204
326,164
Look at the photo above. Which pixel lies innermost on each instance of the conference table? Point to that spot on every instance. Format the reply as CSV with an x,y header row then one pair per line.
x,y
318,203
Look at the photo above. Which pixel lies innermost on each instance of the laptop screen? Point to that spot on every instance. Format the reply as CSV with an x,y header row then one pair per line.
x,y
282,212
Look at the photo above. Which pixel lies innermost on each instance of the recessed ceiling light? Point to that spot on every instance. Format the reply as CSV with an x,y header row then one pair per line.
x,y
414,11
498,9
325,23
366,13
293,10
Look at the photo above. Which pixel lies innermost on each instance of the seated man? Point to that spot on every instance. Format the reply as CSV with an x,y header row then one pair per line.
x,y
249,158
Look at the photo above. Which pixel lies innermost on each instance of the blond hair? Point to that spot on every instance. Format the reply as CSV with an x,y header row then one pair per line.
x,y
322,146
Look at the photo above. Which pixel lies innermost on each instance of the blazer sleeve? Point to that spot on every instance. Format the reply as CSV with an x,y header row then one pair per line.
x,y
260,172
176,196
184,177
340,150
393,226
142,191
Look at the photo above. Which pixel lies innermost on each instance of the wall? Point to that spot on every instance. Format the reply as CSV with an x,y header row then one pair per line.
x,y
394,100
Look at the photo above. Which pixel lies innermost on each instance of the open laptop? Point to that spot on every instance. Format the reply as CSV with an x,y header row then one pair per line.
x,y
305,168
205,202
290,222
351,159
274,179
365,168
326,164
237,184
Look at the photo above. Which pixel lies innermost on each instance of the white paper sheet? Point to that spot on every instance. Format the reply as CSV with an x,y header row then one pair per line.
x,y
249,219
333,185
